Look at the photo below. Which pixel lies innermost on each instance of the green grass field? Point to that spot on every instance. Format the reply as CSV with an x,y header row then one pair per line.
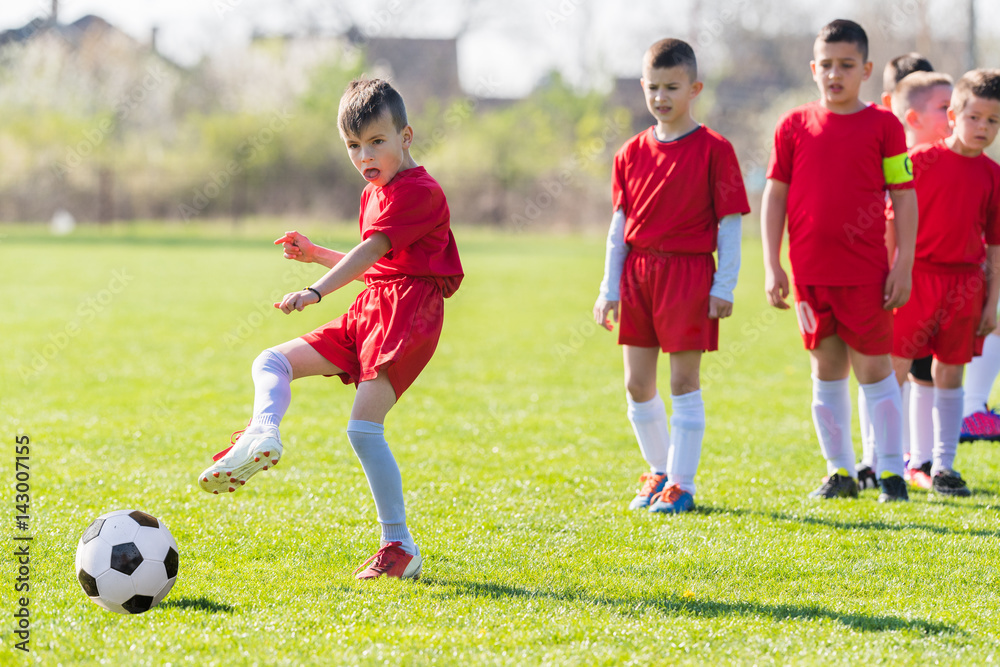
x,y
127,366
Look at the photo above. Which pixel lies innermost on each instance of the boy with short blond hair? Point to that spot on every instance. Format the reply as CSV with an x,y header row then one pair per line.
x,y
678,196
409,263
831,164
958,191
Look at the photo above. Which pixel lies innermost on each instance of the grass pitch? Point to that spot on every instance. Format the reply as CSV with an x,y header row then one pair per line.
x,y
127,365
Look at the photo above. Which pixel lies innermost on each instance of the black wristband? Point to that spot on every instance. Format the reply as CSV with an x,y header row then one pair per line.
x,y
319,297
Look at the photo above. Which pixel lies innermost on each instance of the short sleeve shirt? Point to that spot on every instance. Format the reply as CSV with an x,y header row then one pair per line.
x,y
959,204
838,168
674,193
412,211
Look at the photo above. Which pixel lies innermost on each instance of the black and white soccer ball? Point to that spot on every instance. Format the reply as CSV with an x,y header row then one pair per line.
x,y
127,561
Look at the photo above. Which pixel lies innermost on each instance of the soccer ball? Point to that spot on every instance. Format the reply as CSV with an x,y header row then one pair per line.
x,y
126,561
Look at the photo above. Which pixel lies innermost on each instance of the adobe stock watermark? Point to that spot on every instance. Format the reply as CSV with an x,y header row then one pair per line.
x,y
86,312
897,17
373,27
220,179
555,187
296,275
714,28
456,115
94,136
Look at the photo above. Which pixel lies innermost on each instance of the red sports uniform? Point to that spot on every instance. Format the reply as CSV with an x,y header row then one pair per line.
x,y
838,167
396,321
959,208
673,194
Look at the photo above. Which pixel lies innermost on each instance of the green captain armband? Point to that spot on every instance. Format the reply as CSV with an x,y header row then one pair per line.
x,y
897,169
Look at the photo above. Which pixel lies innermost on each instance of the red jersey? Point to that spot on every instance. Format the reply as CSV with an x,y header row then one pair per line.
x,y
412,211
838,167
959,203
675,192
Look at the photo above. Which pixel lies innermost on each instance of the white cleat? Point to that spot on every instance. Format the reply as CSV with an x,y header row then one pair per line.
x,y
251,452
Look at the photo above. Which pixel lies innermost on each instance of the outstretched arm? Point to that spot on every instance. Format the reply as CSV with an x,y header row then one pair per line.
x,y
296,246
350,267
614,263
720,300
900,280
774,208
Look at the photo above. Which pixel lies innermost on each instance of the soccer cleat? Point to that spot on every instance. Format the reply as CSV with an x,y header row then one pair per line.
x,y
920,477
950,483
390,561
650,483
893,488
251,451
866,477
672,500
981,425
837,485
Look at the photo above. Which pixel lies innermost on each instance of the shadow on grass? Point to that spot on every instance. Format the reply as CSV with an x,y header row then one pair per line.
x,y
199,604
851,525
674,605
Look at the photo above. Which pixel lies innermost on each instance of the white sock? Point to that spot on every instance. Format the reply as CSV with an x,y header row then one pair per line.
x,y
867,434
649,422
386,484
885,407
947,424
904,399
831,410
921,424
688,426
980,374
272,378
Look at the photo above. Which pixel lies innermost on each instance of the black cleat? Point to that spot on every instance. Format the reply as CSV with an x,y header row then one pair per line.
x,y
837,485
866,477
893,489
950,483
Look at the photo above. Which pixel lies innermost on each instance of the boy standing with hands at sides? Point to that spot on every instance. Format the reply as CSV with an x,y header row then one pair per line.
x,y
678,196
832,162
895,71
958,192
920,102
409,263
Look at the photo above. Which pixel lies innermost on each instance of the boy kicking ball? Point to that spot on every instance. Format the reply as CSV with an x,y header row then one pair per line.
x,y
409,263
678,196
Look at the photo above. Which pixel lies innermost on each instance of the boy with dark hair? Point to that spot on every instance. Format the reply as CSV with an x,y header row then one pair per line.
x,y
409,263
832,162
678,196
958,191
895,71
898,69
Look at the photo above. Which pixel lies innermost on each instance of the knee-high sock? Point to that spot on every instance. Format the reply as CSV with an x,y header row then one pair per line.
x,y
688,430
272,377
386,484
649,422
831,410
885,406
947,424
867,434
921,425
980,375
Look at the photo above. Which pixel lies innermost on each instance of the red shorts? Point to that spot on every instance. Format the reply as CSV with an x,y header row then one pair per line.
x,y
942,315
394,325
853,312
664,302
